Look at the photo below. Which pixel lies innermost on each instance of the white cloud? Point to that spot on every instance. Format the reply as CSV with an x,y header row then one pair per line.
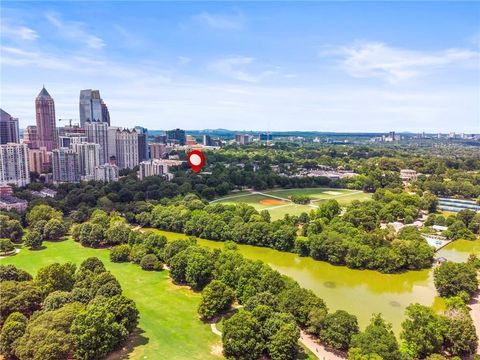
x,y
376,59
237,68
183,60
234,21
74,30
18,32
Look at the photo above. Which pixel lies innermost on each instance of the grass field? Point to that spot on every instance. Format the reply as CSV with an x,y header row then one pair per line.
x,y
278,203
170,328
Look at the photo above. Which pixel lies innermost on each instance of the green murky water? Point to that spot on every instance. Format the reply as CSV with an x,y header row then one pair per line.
x,y
360,292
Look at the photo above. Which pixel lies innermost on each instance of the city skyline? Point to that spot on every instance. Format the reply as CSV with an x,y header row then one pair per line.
x,y
308,66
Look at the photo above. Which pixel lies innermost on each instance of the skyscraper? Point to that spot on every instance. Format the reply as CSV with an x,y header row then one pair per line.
x,y
30,137
46,126
88,159
106,173
112,143
127,148
39,160
14,164
9,132
92,107
97,133
176,136
142,143
65,165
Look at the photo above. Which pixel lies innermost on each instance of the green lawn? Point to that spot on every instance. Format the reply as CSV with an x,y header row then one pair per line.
x,y
343,196
170,328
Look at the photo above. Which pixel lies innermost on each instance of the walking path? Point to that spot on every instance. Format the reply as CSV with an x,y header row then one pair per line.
x,y
308,341
318,350
475,314
272,196
213,326
231,197
17,250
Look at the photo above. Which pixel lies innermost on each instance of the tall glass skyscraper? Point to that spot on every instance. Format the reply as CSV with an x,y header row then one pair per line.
x,y
46,125
9,132
92,107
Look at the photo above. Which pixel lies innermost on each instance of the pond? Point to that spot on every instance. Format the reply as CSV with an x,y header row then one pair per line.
x,y
360,292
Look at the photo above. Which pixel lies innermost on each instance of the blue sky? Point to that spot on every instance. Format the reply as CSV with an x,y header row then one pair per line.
x,y
324,66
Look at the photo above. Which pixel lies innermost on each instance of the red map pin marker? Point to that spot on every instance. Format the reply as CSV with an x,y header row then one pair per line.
x,y
196,160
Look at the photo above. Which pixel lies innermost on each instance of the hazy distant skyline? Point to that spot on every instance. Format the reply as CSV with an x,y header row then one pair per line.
x,y
360,67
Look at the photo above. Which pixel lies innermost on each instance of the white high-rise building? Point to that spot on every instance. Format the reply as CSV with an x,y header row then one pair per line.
x,y
97,133
155,167
106,173
127,148
88,159
14,164
65,165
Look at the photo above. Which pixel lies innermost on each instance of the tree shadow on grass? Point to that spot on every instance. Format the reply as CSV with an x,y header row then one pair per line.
x,y
134,340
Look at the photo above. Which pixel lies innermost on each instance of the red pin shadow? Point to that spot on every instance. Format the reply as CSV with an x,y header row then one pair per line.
x,y
196,160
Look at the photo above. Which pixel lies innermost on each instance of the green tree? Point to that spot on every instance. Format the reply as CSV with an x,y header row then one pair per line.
x,y
460,337
452,278
24,297
56,277
54,230
117,233
125,311
43,212
47,335
56,300
283,345
10,228
33,239
216,297
120,253
96,332
91,264
6,246
422,331
12,330
378,339
299,302
11,272
198,271
316,320
241,336
338,329
150,262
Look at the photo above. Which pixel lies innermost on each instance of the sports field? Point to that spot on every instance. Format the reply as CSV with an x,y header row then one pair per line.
x,y
278,203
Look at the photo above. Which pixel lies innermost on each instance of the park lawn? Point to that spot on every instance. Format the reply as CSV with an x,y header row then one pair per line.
x,y
169,324
279,212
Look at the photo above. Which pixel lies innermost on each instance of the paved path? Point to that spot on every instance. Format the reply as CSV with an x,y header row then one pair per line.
x,y
318,350
272,196
213,326
231,197
308,341
17,250
475,314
